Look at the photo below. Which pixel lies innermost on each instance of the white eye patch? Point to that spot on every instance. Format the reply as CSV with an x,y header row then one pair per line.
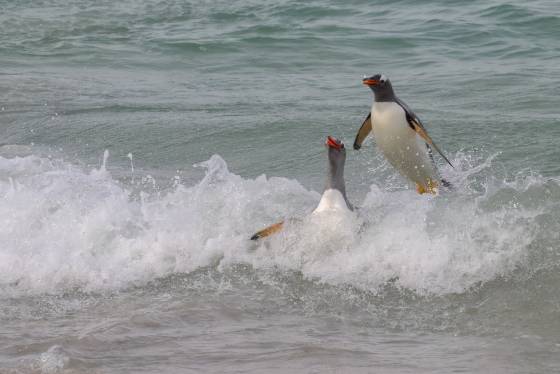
x,y
383,78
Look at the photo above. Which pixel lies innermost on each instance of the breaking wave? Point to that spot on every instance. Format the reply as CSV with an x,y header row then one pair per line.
x,y
62,228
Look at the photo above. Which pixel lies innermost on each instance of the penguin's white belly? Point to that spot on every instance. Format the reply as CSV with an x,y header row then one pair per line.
x,y
331,200
401,145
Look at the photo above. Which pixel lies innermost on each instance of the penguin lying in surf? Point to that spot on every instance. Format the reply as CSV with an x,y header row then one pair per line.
x,y
334,196
400,135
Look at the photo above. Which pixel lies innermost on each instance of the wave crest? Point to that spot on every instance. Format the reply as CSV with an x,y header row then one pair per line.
x,y
63,228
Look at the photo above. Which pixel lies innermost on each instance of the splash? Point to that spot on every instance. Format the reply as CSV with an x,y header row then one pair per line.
x,y
62,228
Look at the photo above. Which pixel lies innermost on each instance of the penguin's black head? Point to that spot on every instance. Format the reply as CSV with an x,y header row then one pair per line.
x,y
381,87
335,144
377,82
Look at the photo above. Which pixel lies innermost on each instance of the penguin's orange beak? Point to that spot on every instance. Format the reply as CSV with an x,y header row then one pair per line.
x,y
370,82
334,143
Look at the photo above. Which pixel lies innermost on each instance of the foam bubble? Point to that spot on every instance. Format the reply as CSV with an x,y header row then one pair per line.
x,y
53,361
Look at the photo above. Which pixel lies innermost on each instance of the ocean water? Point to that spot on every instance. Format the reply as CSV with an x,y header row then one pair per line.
x,y
143,142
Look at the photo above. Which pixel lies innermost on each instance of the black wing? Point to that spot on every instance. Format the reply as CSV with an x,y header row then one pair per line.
x,y
363,132
416,125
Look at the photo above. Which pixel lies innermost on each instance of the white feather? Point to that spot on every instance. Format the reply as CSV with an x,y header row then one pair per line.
x,y
331,200
400,144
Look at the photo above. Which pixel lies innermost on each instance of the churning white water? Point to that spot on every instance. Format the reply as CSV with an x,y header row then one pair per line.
x,y
63,228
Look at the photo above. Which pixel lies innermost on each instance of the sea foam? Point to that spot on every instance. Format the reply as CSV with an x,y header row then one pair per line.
x,y
62,228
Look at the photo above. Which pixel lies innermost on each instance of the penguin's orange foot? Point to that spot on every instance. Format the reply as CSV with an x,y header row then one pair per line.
x,y
430,187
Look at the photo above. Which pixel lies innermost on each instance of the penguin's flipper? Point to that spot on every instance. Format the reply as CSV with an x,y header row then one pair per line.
x,y
420,130
363,132
272,229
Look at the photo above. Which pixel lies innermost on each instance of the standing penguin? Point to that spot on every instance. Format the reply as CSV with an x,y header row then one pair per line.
x,y
334,196
401,136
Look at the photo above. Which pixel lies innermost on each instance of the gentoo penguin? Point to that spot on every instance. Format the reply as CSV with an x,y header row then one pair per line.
x,y
334,195
401,136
